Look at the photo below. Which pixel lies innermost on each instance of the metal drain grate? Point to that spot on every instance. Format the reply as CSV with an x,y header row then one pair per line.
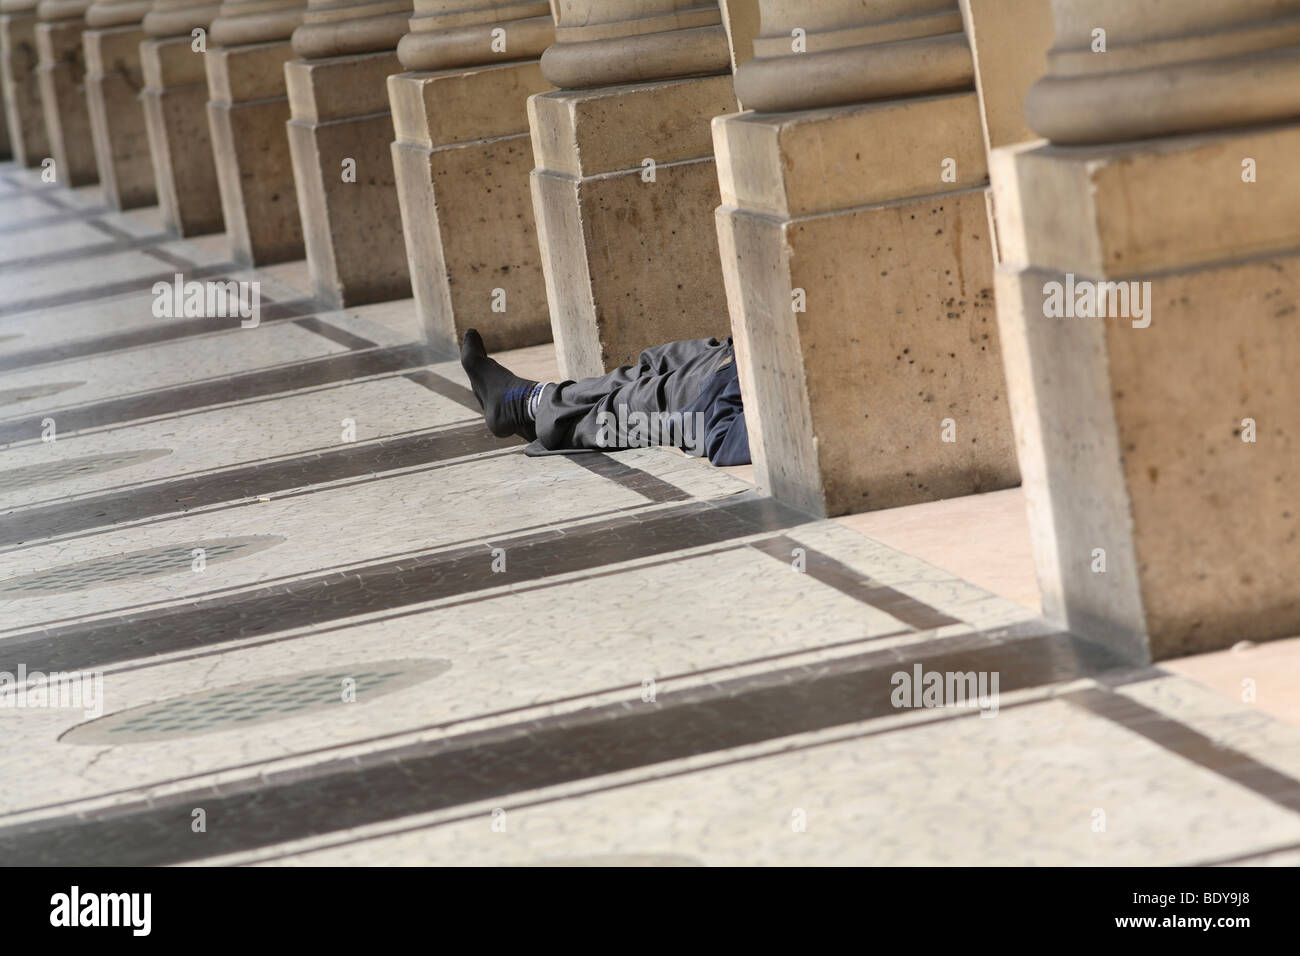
x,y
255,702
134,565
51,471
11,396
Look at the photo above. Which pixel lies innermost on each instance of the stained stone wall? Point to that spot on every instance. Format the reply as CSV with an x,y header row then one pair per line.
x,y
1158,438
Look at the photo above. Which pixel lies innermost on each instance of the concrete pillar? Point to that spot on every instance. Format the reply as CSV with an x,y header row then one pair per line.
x,y
6,146
114,79
1159,425
462,159
1009,40
625,177
855,246
62,68
175,100
248,108
20,82
740,17
339,137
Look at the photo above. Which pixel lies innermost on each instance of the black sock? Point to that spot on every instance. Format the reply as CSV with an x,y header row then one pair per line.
x,y
503,395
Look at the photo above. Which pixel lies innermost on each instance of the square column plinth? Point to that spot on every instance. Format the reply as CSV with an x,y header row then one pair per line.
x,y
63,95
113,82
20,86
340,137
856,252
462,160
175,98
248,108
624,191
1158,414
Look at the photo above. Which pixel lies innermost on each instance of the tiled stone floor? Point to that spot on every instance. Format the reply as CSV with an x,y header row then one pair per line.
x,y
340,619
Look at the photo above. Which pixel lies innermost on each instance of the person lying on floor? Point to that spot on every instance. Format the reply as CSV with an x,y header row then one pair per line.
x,y
685,394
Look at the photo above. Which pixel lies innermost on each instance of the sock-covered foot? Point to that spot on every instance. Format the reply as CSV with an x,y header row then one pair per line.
x,y
503,394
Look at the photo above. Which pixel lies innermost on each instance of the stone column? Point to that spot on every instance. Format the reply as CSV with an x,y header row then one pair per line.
x,y
625,176
247,112
59,28
1009,41
20,82
114,80
855,245
1149,299
740,17
6,147
462,159
175,98
340,137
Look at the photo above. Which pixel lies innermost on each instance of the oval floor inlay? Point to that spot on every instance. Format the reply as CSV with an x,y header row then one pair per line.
x,y
48,471
255,702
134,565
11,396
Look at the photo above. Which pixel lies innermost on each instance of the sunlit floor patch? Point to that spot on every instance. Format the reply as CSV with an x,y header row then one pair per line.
x,y
50,471
256,702
11,396
134,565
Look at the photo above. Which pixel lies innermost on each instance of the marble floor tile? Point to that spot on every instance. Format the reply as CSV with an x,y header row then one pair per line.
x,y
207,441
62,238
1044,784
41,283
170,363
330,528
511,653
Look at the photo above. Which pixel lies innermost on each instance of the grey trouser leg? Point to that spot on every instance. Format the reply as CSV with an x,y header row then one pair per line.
x,y
666,379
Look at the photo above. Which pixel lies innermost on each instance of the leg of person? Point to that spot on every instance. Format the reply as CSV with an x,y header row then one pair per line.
x,y
596,412
504,397
567,415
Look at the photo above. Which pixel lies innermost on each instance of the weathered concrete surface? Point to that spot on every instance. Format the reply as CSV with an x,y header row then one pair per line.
x,y
1159,443
625,179
20,82
462,156
247,112
855,244
339,137
175,107
248,107
63,85
114,79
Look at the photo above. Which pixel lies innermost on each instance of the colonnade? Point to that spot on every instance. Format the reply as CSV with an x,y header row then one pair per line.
x,y
876,198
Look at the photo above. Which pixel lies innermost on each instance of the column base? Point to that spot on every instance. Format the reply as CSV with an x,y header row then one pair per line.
x,y
63,96
113,83
6,147
630,262
352,229
248,108
862,304
174,101
21,87
1160,440
462,159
